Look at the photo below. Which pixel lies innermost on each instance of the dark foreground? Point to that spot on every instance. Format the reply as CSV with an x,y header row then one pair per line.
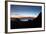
x,y
36,23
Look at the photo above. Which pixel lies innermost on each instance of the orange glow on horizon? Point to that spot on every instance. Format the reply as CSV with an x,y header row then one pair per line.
x,y
22,17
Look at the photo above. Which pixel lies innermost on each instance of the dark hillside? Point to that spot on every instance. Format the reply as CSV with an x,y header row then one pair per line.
x,y
16,23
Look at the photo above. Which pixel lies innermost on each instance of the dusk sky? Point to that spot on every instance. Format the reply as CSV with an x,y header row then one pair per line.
x,y
22,10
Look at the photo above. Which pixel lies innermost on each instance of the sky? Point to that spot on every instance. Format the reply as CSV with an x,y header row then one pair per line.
x,y
23,10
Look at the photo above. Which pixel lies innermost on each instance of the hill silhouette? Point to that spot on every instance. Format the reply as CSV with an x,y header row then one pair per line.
x,y
36,23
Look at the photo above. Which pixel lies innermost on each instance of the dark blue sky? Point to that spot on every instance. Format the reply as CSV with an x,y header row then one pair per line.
x,y
22,10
